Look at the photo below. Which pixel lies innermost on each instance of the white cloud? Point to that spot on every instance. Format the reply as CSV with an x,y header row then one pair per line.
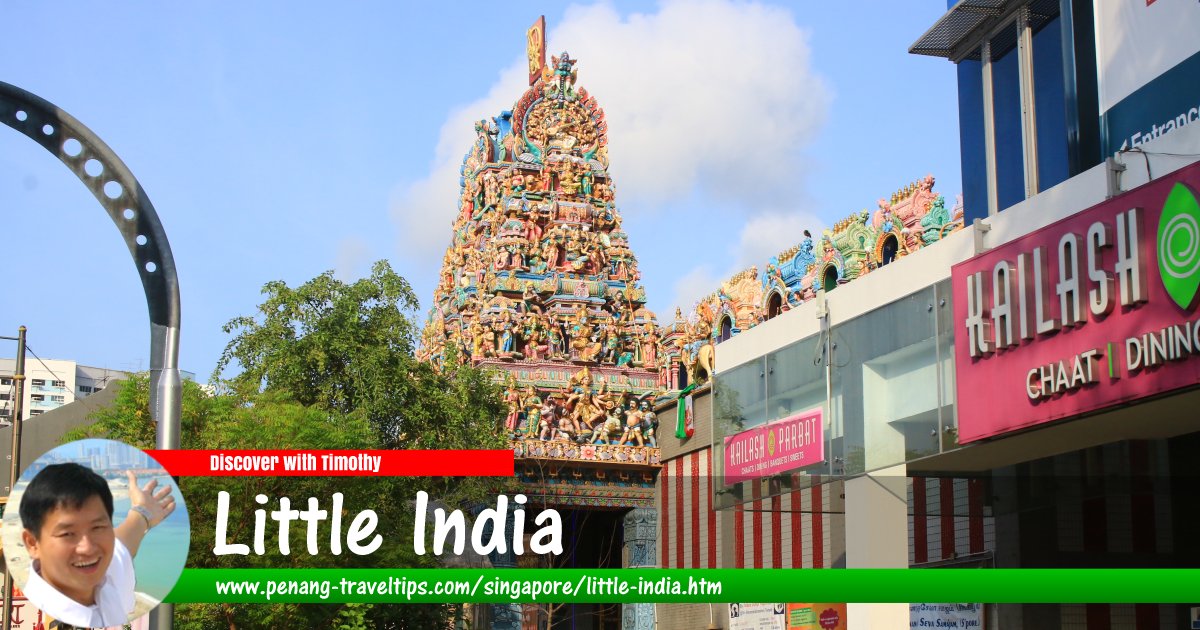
x,y
768,234
709,94
688,290
762,237
424,210
712,98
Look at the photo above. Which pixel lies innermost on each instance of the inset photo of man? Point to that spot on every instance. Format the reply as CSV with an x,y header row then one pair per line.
x,y
74,527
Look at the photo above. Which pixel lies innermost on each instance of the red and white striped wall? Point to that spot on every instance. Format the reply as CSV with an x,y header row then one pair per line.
x,y
689,531
946,519
785,531
1133,518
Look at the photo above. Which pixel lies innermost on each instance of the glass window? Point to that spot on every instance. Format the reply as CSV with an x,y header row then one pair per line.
x,y
889,398
58,383
1050,104
971,138
38,381
740,399
885,393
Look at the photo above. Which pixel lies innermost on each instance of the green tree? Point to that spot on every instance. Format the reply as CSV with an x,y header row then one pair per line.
x,y
326,365
350,347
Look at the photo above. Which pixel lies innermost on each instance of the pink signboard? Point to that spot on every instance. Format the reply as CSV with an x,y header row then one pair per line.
x,y
1096,310
793,442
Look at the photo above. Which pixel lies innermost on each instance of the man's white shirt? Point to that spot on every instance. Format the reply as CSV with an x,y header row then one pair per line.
x,y
114,598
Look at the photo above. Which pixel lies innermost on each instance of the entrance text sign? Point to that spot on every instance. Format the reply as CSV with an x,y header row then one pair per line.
x,y
776,447
1092,311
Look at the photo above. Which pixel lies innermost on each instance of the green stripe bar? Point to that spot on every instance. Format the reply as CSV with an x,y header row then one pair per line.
x,y
1031,586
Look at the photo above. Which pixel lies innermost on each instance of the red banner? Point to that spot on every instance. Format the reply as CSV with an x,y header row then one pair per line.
x,y
311,463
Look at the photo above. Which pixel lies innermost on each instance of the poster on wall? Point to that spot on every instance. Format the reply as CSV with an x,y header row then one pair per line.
x,y
1148,65
945,616
757,616
816,617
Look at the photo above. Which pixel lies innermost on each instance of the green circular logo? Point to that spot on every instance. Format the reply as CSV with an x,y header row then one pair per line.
x,y
1179,245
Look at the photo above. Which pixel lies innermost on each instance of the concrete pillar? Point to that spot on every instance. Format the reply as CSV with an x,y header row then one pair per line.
x,y
641,550
877,537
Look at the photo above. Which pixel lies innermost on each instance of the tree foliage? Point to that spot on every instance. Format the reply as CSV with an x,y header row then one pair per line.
x,y
327,365
350,347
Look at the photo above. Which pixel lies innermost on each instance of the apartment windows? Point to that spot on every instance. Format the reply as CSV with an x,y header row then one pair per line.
x,y
37,397
58,383
38,381
58,399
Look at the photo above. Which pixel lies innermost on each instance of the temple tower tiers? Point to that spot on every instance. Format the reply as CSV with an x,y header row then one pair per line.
x,y
539,281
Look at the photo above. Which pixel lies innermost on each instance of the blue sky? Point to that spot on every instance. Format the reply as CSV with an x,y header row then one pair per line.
x,y
279,140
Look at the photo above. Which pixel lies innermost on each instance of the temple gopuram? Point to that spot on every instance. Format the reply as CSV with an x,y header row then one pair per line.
x,y
540,286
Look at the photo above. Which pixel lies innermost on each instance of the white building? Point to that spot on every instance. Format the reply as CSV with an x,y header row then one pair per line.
x,y
51,383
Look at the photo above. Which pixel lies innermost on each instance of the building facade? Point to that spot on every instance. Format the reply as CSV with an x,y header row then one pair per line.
x,y
1021,393
50,384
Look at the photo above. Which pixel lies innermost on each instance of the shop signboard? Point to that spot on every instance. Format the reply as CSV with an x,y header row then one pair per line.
x,y
776,447
1096,310
757,616
945,616
1148,65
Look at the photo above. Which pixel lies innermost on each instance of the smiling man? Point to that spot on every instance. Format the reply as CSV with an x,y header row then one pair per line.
x,y
83,565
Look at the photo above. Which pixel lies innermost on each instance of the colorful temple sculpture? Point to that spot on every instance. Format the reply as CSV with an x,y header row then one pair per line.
x,y
914,217
539,284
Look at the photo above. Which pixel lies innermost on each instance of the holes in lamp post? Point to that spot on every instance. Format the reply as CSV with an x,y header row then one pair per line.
x,y
113,190
93,168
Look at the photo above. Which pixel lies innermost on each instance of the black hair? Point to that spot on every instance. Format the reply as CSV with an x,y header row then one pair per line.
x,y
61,485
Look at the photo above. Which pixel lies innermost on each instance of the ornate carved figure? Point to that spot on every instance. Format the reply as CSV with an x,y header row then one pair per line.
x,y
512,398
649,424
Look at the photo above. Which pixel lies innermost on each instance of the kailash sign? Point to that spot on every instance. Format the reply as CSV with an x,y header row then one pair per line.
x,y
1089,312
776,447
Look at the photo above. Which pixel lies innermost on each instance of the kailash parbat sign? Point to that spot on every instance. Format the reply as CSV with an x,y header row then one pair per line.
x,y
1089,312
